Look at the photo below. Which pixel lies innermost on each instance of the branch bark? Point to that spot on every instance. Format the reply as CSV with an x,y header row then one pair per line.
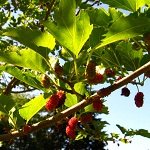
x,y
78,106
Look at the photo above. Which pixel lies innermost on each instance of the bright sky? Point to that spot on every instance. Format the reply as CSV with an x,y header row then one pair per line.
x,y
124,112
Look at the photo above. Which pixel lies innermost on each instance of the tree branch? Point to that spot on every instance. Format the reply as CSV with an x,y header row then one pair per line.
x,y
48,12
78,106
11,85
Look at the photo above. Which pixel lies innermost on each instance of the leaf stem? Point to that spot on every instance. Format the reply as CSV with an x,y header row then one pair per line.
x,y
76,68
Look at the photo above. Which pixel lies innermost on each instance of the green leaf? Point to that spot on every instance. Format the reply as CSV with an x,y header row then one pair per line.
x,y
71,31
109,57
130,5
130,58
71,99
6,103
96,36
125,27
122,129
143,132
26,77
99,17
145,59
28,110
80,88
39,41
25,58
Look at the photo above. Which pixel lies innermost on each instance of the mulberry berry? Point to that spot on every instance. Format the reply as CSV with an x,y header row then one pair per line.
x,y
72,123
62,97
91,71
70,132
59,70
26,129
118,78
97,104
103,92
97,79
52,102
125,91
139,99
110,73
45,82
86,118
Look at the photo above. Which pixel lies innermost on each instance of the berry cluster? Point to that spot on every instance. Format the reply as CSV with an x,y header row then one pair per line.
x,y
26,129
98,78
45,82
86,118
56,100
139,99
97,104
71,127
125,91
92,76
103,92
91,71
59,70
110,73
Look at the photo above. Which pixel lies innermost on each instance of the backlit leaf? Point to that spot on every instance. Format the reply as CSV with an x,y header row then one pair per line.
x,y
71,31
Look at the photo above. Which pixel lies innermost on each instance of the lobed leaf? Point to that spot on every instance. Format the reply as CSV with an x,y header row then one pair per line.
x,y
125,27
71,31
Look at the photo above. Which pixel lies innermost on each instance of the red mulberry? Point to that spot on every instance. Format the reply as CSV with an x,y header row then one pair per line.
x,y
72,123
45,82
59,70
125,91
91,71
26,129
52,102
97,104
139,99
97,79
62,97
110,73
104,92
70,132
85,118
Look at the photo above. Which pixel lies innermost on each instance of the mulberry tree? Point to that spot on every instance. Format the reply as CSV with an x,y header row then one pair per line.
x,y
60,50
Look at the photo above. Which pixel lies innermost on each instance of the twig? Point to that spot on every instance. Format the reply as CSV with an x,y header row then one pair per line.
x,y
11,85
48,12
24,91
78,106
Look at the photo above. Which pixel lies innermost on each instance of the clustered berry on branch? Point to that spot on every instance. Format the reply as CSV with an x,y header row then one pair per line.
x,y
26,129
55,100
92,76
97,104
46,82
139,99
71,127
110,73
125,92
59,70
86,118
